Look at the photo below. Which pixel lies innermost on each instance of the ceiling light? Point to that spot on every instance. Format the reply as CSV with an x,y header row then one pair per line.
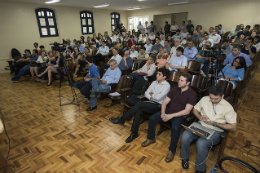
x,y
52,1
141,0
101,5
134,8
177,3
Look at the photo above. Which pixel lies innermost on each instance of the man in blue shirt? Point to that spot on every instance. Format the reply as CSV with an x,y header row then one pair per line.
x,y
86,85
236,53
126,62
112,75
190,52
177,61
26,68
140,27
189,26
81,48
101,53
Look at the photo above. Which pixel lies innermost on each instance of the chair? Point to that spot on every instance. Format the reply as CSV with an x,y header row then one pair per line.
x,y
235,44
226,34
123,83
135,66
228,87
175,76
193,67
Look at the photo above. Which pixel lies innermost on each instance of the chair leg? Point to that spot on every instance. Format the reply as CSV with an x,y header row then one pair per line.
x,y
114,102
162,129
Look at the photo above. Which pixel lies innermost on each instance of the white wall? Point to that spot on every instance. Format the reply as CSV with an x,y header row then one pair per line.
x,y
19,28
229,13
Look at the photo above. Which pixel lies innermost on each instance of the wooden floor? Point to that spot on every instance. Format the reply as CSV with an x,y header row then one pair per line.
x,y
48,138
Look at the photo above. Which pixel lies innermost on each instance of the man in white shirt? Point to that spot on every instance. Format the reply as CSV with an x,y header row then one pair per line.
x,y
133,52
184,34
152,36
173,28
161,40
215,37
115,56
206,38
148,46
156,93
177,61
177,44
113,37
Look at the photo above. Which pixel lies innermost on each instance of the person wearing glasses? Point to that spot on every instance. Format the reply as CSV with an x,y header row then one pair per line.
x,y
234,72
206,38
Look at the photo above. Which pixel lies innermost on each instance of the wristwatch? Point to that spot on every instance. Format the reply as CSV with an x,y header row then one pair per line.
x,y
215,124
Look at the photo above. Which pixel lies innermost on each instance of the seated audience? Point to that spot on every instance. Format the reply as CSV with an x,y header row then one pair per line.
x,y
184,33
215,37
135,38
234,32
161,40
131,42
191,30
177,61
210,30
120,37
181,100
177,35
184,41
221,30
156,93
226,47
114,37
110,45
36,46
177,44
133,52
86,85
201,35
126,38
69,43
148,45
37,65
148,69
142,55
203,55
189,26
167,47
214,112
162,52
195,36
171,41
256,43
217,30
115,56
183,26
101,53
112,75
42,49
26,68
156,47
190,52
142,39
248,48
81,48
159,33
126,62
118,45
206,38
106,36
234,72
52,67
162,60
152,36
23,61
236,52
245,32
241,39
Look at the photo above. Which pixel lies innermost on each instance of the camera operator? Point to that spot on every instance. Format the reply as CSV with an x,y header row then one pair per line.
x,y
203,55
226,47
206,38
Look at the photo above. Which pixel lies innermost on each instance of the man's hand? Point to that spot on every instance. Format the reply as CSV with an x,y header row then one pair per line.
x,y
87,79
151,93
166,117
206,120
227,78
103,81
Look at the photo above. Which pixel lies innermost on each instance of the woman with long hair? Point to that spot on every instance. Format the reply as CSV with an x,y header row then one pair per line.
x,y
234,72
36,66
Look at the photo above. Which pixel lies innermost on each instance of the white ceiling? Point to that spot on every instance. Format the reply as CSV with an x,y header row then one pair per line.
x,y
114,4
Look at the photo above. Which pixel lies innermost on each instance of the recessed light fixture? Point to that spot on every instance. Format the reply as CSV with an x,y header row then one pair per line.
x,y
52,1
141,0
177,3
101,5
134,8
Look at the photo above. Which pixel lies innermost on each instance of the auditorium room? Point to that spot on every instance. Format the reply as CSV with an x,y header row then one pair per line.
x,y
139,86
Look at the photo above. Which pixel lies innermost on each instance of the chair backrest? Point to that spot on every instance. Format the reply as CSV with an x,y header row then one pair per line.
x,y
228,87
193,66
199,81
135,66
226,34
235,44
94,52
172,83
124,82
142,64
175,76
237,106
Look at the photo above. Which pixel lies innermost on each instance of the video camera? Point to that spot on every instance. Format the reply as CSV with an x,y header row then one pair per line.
x,y
57,47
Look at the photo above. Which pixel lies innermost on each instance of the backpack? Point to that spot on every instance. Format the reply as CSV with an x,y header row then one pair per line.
x,y
138,89
15,54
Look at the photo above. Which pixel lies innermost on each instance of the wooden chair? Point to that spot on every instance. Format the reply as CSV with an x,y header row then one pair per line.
x,y
226,34
193,67
135,66
123,83
175,76
235,44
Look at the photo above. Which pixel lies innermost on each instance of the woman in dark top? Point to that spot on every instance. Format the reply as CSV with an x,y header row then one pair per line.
x,y
110,45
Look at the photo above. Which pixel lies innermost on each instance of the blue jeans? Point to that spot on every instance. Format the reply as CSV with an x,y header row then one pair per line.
x,y
202,144
98,86
175,130
21,72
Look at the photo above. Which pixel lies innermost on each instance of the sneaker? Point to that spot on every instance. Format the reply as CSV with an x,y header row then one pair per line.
x,y
14,80
185,164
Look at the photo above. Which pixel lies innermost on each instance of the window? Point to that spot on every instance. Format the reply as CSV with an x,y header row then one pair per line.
x,y
87,22
115,21
133,22
46,22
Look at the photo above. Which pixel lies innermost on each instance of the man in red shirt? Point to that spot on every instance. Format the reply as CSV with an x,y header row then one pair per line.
x,y
131,42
